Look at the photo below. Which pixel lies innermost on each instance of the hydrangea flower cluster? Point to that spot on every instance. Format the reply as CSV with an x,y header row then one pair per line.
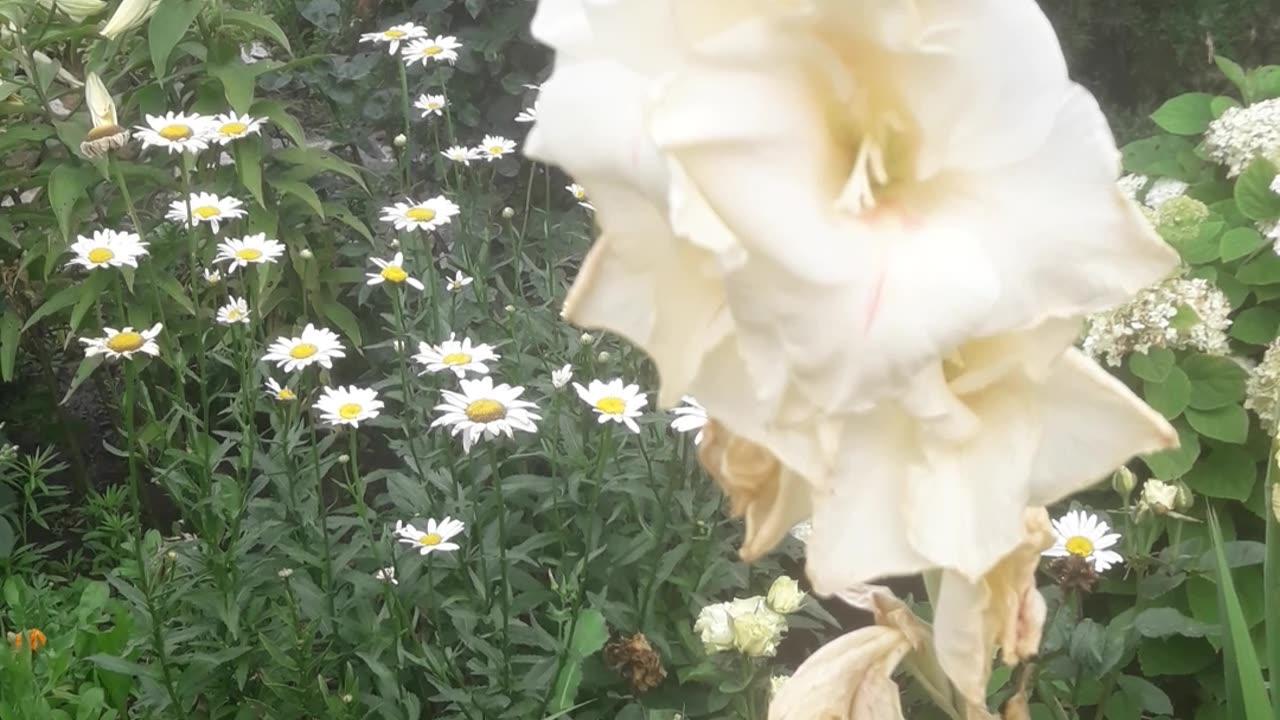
x,y
1262,392
1242,134
1178,219
1180,312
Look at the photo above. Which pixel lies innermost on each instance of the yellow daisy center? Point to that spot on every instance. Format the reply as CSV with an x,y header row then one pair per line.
x,y
421,214
485,411
430,539
394,274
302,351
433,50
394,34
233,129
206,212
350,411
285,394
100,255
126,342
611,405
249,254
177,131
496,149
1080,546
458,358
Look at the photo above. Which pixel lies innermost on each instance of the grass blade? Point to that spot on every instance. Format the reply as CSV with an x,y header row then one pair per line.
x,y
1244,674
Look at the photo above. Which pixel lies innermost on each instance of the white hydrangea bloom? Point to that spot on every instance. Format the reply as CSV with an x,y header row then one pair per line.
x,y
1180,312
1164,190
1262,392
1242,134
1132,184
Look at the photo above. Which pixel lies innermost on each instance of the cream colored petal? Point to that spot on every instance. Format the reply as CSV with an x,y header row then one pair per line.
x,y
1093,424
849,678
1002,610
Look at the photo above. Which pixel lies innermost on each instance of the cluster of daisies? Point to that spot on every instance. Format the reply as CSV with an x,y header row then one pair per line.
x,y
191,132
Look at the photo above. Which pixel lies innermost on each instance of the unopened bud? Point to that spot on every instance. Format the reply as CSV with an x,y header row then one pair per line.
x,y
1123,482
394,242
306,254
508,213
348,698
509,308
603,356
343,459
1185,498
171,555
400,140
285,573
586,338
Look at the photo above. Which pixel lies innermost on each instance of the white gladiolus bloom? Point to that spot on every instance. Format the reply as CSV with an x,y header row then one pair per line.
x,y
873,281
314,345
107,248
236,310
123,343
77,10
394,35
205,208
348,405
129,14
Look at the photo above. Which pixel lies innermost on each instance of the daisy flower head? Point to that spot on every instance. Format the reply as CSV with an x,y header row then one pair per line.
x,y
279,392
579,193
1084,535
427,215
442,48
314,345
107,248
123,343
205,208
386,575
689,417
460,154
250,249
459,357
494,147
235,311
614,401
458,282
177,132
483,410
528,115
213,276
349,405
230,126
436,537
431,104
561,377
394,35
392,271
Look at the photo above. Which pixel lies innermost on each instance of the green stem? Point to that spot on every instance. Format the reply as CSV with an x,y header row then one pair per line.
x,y
660,529
1271,578
406,388
504,599
406,157
322,510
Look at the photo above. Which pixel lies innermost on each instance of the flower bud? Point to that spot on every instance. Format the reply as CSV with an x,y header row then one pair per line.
x,y
1185,498
586,338
213,277
509,308
603,356
343,459
508,213
129,15
400,140
1158,497
171,555
785,595
77,10
348,699
106,133
306,254
1123,482
284,573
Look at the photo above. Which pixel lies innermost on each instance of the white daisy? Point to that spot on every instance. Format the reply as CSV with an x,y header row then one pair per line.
x,y
1085,535
179,132
394,35
493,147
392,271
107,248
528,115
443,48
427,215
123,343
276,391
235,311
459,357
314,345
435,539
458,282
460,154
483,410
614,401
580,194
561,377
689,417
250,249
230,126
431,104
206,208
349,405
387,575
212,276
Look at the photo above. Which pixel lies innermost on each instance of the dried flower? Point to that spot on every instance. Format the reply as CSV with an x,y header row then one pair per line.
x,y
634,658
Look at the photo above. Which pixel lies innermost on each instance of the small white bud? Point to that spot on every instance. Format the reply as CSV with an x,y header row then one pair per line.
x,y
508,213
586,338
285,573
400,140
306,254
603,356
171,555
343,459
510,308
348,698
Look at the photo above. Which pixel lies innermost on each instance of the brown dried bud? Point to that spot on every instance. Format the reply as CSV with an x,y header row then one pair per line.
x,y
1074,573
636,661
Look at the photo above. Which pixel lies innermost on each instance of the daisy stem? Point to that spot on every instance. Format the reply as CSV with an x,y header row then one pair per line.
x,y
193,242
407,157
503,599
323,513
144,580
406,388
114,166
660,530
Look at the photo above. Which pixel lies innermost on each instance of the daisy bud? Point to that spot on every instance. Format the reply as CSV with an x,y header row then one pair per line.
x,y
347,698
509,308
395,243
603,356
343,459
171,555
306,254
586,338
400,140
1123,482
508,213
284,573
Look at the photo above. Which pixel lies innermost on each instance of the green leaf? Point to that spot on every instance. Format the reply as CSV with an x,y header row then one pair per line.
x,y
1159,156
238,82
342,317
320,160
249,167
1165,621
1221,104
167,28
83,371
120,665
343,214
1153,365
1253,191
1225,472
1148,697
1215,381
64,298
589,635
10,335
68,184
1256,326
1175,655
90,293
1238,646
1229,423
258,21
1187,114
1241,241
7,538
1169,398
1174,463
303,192
1235,74
1262,270
276,112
